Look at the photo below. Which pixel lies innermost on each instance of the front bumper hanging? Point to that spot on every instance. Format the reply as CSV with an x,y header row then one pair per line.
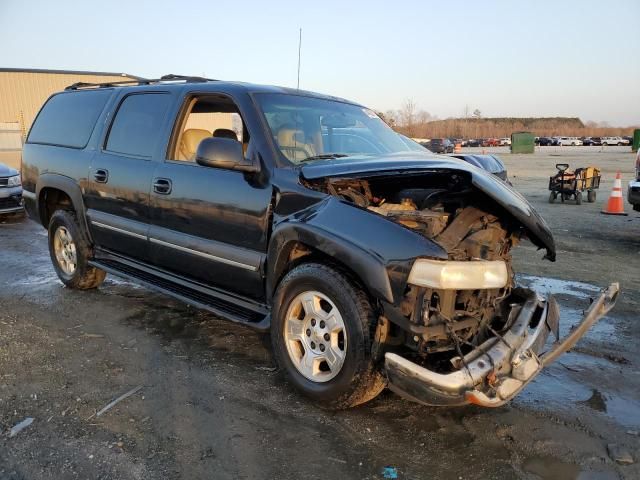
x,y
497,370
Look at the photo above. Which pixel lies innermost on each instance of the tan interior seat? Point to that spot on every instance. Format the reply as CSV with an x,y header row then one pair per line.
x,y
225,133
189,142
293,144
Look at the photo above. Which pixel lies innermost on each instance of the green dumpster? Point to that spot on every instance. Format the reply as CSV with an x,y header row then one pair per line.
x,y
636,140
523,142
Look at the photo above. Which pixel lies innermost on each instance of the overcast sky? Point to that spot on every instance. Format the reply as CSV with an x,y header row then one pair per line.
x,y
506,58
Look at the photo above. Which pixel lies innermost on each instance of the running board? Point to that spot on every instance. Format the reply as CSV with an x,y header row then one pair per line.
x,y
246,312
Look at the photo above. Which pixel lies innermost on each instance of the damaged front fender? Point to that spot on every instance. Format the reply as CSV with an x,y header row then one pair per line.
x,y
379,252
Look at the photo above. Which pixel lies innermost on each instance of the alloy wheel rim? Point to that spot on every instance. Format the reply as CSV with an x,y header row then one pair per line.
x,y
315,336
65,250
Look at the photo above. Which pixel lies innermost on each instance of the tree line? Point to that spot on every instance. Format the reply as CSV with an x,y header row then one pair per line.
x,y
416,123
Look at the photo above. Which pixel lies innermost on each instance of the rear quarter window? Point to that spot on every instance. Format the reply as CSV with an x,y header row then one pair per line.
x,y
137,127
67,119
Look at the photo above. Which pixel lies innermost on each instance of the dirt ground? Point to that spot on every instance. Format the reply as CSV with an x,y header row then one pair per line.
x,y
213,406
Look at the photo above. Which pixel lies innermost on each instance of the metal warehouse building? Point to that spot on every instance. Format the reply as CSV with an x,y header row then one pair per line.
x,y
22,93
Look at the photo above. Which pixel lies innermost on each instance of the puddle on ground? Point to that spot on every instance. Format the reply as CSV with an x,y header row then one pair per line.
x,y
588,377
36,280
596,401
549,468
603,331
556,286
591,383
571,315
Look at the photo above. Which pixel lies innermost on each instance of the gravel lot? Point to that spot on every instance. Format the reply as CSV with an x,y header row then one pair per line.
x,y
212,405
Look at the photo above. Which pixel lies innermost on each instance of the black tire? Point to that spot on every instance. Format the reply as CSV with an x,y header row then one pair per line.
x,y
84,276
579,198
552,197
359,380
591,196
636,207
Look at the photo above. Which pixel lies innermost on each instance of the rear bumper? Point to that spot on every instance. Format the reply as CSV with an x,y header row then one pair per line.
x,y
499,369
633,194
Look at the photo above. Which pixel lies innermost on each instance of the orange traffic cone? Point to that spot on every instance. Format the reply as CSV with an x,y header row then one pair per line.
x,y
615,205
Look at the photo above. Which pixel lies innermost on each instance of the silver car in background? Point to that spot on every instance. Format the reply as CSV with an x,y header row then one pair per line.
x,y
10,190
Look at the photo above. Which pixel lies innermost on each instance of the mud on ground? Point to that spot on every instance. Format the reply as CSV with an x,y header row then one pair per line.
x,y
213,406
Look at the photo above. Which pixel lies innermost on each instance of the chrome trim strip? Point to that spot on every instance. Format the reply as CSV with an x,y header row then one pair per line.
x,y
119,230
204,255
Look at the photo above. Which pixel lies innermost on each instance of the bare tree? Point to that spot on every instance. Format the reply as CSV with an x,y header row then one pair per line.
x,y
391,118
407,116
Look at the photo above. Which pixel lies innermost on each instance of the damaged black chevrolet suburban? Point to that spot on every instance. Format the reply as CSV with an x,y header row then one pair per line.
x,y
304,215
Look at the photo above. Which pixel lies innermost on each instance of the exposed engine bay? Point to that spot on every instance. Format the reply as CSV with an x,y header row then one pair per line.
x,y
445,344
469,227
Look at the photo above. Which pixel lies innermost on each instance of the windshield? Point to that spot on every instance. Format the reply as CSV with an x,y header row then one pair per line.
x,y
308,128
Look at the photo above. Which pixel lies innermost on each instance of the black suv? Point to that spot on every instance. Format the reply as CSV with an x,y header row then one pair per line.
x,y
305,215
439,145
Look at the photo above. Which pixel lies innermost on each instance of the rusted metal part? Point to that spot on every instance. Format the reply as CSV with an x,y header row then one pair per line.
x,y
498,369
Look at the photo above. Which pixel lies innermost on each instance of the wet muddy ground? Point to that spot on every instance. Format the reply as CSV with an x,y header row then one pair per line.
x,y
213,406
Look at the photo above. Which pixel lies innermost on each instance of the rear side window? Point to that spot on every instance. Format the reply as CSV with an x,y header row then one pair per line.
x,y
67,119
137,126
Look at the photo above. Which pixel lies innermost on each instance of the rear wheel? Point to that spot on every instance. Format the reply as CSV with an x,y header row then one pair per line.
x,y
578,198
591,196
322,331
552,197
636,207
70,252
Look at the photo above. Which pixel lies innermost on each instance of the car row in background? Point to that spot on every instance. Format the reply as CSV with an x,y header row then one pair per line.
x,y
587,141
485,142
446,145
490,163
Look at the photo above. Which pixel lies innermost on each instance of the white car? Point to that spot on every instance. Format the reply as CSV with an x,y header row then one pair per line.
x,y
569,141
504,142
614,141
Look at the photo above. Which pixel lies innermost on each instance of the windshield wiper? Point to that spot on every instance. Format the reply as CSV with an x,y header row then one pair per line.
x,y
324,156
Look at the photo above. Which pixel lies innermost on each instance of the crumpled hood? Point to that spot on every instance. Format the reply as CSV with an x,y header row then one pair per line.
x,y
503,194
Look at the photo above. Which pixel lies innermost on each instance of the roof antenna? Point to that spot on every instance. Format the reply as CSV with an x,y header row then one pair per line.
x,y
299,49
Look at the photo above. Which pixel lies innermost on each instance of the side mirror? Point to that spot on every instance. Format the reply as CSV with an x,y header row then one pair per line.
x,y
224,153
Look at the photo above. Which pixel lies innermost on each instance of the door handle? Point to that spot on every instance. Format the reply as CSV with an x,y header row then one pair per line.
x,y
162,186
101,175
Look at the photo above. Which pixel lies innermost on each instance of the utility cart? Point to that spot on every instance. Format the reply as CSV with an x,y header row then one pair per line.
x,y
567,184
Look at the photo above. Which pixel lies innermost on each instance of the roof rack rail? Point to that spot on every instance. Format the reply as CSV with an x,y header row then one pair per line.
x,y
141,81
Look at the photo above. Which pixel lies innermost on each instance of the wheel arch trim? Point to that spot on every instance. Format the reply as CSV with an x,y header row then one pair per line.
x,y
69,187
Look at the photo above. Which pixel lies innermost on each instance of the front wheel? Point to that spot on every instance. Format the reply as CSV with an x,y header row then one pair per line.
x,y
322,332
591,196
70,252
